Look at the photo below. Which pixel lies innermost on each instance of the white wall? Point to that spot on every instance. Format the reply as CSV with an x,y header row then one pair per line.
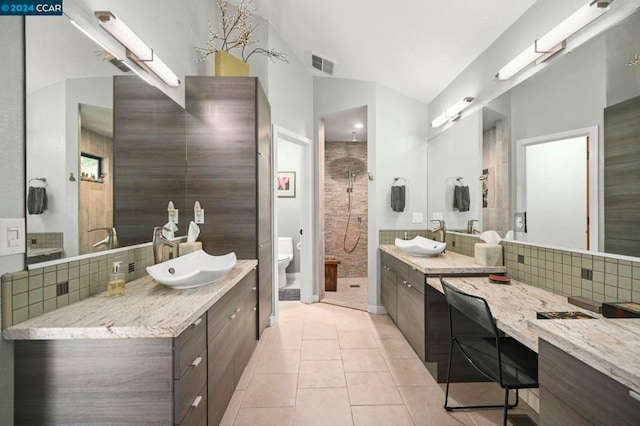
x,y
289,208
456,152
12,190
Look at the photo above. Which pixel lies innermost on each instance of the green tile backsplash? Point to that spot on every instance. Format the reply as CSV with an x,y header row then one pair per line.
x,y
27,294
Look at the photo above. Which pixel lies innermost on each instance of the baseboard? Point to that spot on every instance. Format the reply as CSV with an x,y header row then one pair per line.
x,y
376,309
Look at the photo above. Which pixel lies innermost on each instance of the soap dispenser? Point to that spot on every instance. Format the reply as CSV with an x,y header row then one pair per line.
x,y
115,287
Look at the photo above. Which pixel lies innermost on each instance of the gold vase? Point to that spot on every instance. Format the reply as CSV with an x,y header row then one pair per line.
x,y
228,65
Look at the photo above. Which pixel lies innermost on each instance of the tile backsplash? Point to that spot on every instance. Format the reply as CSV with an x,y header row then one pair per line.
x,y
27,294
569,273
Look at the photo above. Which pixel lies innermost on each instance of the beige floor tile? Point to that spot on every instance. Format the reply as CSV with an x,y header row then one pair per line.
x,y
272,416
321,374
372,389
319,332
381,415
475,393
396,349
410,372
281,340
320,349
347,296
322,407
494,417
380,319
363,360
232,408
360,339
271,390
278,362
385,331
426,406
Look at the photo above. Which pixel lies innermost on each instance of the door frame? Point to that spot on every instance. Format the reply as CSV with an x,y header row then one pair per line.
x,y
592,181
307,194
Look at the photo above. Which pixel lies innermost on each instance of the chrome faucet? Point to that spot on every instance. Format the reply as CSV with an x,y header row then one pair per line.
x,y
159,242
471,227
110,241
439,230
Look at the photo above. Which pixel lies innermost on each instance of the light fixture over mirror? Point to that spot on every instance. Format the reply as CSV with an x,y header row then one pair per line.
x,y
452,113
137,50
554,41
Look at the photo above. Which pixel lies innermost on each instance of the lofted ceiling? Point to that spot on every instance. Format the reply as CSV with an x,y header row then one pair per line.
x,y
416,47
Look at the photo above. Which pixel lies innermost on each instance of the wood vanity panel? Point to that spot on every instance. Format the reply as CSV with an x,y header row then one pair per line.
x,y
105,380
410,315
188,388
571,389
621,182
265,289
220,381
389,292
197,416
149,161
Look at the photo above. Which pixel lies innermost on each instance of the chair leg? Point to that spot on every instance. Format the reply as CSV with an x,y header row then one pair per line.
x,y
506,406
446,394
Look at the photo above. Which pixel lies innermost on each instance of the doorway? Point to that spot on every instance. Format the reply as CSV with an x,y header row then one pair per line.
x,y
292,217
556,190
345,188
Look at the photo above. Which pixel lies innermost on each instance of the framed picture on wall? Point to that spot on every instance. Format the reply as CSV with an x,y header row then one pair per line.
x,y
286,184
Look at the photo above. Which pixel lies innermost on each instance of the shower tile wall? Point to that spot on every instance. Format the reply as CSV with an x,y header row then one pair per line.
x,y
495,164
340,157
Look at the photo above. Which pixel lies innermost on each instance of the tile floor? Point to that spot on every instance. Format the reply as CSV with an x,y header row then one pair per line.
x,y
329,365
347,296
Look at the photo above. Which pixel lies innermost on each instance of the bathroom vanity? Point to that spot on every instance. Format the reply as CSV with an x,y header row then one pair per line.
x,y
415,311
154,356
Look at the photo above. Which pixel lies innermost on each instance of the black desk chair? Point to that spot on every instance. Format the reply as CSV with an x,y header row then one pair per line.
x,y
502,359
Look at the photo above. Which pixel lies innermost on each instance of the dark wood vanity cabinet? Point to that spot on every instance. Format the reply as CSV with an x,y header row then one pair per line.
x,y
403,297
231,335
230,172
573,393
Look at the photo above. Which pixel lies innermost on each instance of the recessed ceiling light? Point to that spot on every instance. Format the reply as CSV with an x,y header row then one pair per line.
x,y
359,125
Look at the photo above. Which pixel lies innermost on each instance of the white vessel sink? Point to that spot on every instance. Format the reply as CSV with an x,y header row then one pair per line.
x,y
421,246
192,270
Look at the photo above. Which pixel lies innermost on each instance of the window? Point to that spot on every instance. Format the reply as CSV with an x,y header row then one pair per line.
x,y
90,167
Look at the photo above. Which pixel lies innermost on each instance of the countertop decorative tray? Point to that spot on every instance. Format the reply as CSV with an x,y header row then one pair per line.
x,y
563,315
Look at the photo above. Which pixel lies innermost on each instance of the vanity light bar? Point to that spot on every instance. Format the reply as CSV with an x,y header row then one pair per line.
x,y
453,112
137,50
552,42
92,38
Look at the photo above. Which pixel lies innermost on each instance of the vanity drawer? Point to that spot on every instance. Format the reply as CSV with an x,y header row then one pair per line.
x,y
222,309
188,388
417,279
188,346
399,267
197,412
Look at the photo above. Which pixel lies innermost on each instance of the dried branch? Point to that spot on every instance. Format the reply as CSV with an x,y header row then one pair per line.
x,y
635,62
237,32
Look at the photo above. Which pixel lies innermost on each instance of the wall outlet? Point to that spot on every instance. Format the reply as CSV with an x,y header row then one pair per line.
x,y
417,217
438,216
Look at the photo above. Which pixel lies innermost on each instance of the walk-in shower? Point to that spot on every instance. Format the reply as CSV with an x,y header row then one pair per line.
x,y
351,181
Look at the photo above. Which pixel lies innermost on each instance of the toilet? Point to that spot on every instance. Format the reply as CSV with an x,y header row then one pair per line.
x,y
285,256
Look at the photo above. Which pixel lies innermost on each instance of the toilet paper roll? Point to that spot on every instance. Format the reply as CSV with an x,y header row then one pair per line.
x,y
488,254
186,248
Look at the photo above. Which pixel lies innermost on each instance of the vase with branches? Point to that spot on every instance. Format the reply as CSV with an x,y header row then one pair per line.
x,y
236,33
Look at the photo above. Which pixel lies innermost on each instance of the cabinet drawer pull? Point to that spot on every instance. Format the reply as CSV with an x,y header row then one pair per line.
x,y
237,310
404,282
196,401
634,395
254,288
233,316
197,322
408,285
196,362
255,308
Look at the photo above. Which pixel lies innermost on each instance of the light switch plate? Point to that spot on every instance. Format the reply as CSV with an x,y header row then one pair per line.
x,y
417,217
12,236
198,216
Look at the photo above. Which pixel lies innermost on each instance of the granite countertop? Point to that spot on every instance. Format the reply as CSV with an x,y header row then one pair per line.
x,y
449,263
610,346
148,310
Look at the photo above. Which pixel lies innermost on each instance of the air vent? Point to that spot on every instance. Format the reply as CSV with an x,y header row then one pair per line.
x,y
131,267
62,288
325,65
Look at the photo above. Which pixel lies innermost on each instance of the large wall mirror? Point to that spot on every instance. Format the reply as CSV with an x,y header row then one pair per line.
x,y
101,143
540,131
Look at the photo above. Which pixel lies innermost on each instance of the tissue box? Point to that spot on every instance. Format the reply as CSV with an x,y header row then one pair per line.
x,y
488,254
186,248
